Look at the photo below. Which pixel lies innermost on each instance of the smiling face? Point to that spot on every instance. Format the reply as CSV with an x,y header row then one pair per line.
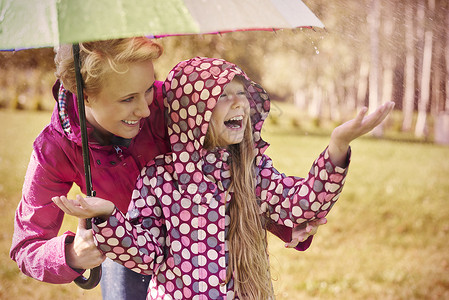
x,y
123,101
231,114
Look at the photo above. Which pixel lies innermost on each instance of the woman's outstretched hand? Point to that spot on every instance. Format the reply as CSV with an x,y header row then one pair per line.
x,y
94,207
352,129
303,231
82,253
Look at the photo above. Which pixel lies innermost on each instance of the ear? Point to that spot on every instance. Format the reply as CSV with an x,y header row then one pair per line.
x,y
86,99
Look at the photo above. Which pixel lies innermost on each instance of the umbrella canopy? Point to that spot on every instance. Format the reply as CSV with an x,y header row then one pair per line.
x,y
47,23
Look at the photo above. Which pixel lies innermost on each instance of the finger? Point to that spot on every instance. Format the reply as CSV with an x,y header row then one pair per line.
x,y
82,224
312,230
319,222
322,221
361,115
373,119
83,203
71,205
380,115
292,244
85,233
60,203
384,110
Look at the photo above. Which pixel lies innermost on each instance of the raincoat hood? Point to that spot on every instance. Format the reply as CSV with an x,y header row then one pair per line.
x,y
193,88
65,118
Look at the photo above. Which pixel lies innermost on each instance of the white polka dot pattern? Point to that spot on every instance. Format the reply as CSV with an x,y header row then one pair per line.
x,y
175,227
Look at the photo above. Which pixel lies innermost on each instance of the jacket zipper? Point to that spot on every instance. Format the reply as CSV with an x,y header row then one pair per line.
x,y
119,152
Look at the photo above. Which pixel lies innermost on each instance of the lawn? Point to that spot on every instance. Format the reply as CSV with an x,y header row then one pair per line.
x,y
387,237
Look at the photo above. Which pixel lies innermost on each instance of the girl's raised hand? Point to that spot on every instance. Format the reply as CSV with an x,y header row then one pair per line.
x,y
352,129
93,207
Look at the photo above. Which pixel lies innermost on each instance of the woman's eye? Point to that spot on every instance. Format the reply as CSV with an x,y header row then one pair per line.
x,y
222,95
128,99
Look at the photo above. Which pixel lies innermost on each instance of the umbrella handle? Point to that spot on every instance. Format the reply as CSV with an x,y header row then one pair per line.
x,y
92,281
95,273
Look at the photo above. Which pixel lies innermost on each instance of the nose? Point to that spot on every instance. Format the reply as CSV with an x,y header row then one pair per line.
x,y
238,101
142,110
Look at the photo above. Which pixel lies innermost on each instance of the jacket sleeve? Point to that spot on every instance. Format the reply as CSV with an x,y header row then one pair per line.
x,y
36,246
131,244
135,240
289,200
285,234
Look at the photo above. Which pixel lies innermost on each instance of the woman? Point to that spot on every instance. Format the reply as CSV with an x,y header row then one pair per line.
x,y
126,128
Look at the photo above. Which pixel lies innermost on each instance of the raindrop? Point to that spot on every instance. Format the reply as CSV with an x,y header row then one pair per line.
x,y
317,51
314,46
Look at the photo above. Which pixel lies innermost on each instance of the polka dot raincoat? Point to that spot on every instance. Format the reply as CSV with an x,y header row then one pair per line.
x,y
175,226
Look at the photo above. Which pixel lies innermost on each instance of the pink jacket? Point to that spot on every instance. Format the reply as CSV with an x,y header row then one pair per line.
x,y
55,164
178,217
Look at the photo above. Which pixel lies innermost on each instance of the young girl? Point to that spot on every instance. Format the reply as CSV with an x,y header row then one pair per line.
x,y
199,215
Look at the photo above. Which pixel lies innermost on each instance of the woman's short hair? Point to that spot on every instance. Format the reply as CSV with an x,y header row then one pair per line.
x,y
100,57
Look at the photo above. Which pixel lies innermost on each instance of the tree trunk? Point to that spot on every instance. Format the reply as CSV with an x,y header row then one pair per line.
x,y
374,87
446,107
408,105
421,122
420,26
436,103
388,60
362,88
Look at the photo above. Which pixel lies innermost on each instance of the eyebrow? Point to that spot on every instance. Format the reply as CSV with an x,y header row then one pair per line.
x,y
132,94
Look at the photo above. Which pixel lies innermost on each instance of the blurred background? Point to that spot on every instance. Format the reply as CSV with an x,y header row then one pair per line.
x,y
387,237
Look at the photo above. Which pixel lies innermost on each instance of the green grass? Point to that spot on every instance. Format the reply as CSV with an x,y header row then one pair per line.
x,y
387,236
385,239
19,129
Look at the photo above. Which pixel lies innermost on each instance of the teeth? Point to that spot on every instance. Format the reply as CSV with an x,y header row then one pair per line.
x,y
239,118
131,122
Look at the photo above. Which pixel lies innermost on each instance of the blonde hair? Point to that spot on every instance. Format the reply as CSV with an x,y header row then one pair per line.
x,y
247,237
100,57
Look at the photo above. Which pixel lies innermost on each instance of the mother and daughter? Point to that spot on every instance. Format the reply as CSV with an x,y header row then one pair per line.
x,y
204,201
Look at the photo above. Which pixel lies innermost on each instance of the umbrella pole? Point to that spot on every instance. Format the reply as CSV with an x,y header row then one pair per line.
x,y
95,273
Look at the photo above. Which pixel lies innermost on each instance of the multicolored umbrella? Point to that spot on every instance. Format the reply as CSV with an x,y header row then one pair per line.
x,y
48,23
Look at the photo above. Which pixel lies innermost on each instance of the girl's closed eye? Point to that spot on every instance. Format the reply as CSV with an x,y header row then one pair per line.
x,y
150,89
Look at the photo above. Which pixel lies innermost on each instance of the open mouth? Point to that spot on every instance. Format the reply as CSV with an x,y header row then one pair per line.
x,y
235,122
130,122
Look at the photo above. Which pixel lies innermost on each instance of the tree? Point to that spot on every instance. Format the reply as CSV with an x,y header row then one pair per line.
x,y
447,58
421,122
374,75
409,70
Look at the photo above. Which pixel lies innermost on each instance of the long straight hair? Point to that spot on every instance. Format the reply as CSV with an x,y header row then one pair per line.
x,y
247,239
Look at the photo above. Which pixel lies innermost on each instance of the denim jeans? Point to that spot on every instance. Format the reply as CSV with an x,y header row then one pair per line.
x,y
120,283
